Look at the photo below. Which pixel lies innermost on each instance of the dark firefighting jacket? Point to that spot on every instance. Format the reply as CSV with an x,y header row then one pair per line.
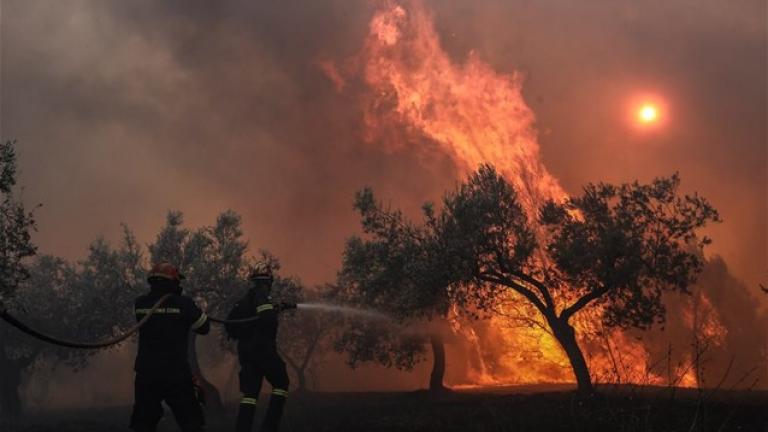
x,y
259,337
164,339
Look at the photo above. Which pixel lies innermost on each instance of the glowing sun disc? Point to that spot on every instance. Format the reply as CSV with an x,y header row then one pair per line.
x,y
648,114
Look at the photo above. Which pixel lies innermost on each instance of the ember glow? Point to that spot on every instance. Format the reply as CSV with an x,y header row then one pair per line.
x,y
477,115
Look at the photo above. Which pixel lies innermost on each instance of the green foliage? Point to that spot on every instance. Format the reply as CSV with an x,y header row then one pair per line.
x,y
75,301
392,264
42,298
216,265
420,271
93,298
213,258
623,246
369,341
482,237
391,270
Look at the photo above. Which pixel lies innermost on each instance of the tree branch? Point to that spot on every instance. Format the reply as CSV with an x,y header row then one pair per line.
x,y
525,292
582,302
526,278
540,286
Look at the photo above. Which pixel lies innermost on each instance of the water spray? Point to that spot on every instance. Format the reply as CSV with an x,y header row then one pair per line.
x,y
347,310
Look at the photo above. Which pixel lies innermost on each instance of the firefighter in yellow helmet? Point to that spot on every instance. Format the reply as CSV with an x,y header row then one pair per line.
x,y
162,369
257,350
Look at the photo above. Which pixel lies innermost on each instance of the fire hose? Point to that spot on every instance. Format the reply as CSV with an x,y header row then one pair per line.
x,y
10,319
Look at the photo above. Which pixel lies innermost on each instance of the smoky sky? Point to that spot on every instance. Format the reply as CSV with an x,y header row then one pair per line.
x,y
125,110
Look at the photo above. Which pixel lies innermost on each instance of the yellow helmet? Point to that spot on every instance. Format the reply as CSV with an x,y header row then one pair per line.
x,y
261,271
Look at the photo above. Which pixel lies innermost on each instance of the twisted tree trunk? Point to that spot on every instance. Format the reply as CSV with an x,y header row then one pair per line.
x,y
566,336
438,365
300,371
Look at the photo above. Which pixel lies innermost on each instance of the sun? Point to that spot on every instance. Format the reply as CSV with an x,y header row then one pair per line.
x,y
648,113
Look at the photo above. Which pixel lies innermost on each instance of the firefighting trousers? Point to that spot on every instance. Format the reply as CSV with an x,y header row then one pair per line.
x,y
252,372
177,392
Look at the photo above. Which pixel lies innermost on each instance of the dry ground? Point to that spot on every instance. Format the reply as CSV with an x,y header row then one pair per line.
x,y
530,408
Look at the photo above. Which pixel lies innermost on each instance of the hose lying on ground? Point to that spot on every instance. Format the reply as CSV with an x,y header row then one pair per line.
x,y
69,344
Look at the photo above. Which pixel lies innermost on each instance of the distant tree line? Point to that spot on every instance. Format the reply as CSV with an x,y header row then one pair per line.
x,y
92,299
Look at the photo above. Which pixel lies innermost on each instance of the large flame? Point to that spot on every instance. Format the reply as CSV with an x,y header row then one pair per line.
x,y
473,113
477,115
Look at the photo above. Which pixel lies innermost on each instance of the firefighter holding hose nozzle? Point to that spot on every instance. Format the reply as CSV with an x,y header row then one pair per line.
x,y
257,350
162,369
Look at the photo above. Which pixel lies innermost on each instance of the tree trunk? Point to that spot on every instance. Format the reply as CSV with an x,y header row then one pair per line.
x,y
302,375
438,365
10,380
300,370
566,336
213,400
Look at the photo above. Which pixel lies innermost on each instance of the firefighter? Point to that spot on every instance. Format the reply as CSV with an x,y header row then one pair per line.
x,y
257,350
162,369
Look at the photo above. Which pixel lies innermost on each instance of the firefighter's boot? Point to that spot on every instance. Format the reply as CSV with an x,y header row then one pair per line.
x,y
274,411
245,414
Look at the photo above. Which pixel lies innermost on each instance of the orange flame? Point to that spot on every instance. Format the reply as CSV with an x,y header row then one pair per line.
x,y
473,113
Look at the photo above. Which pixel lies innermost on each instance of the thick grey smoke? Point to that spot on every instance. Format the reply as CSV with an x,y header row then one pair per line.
x,y
124,111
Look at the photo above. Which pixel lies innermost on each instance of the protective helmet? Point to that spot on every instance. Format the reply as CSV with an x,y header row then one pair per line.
x,y
261,271
164,270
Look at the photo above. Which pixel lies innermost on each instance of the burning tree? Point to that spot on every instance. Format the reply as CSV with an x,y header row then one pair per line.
x,y
613,248
618,248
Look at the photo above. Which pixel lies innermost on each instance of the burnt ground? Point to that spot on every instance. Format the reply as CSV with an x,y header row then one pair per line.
x,y
533,408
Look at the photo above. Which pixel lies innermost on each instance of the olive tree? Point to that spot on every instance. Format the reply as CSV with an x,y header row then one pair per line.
x,y
616,248
68,300
304,337
16,226
394,268
214,262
